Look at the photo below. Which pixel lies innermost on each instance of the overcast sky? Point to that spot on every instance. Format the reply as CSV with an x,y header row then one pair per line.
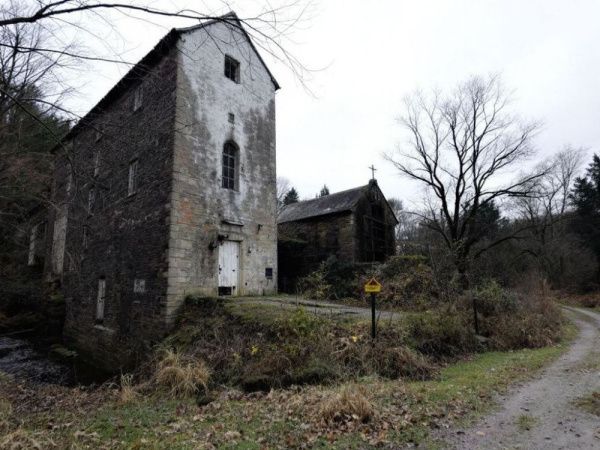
x,y
372,54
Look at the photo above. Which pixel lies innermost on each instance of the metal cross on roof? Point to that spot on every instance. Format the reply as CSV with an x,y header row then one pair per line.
x,y
373,169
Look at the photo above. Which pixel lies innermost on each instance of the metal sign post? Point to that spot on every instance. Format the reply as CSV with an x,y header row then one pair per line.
x,y
373,287
373,325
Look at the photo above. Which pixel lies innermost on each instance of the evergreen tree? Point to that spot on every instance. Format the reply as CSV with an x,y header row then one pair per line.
x,y
585,196
324,191
290,197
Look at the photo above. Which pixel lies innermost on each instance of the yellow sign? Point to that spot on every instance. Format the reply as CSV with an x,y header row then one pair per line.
x,y
372,286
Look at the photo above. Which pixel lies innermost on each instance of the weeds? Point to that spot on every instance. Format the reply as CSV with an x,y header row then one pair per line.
x,y
184,376
526,422
590,403
128,392
21,439
351,404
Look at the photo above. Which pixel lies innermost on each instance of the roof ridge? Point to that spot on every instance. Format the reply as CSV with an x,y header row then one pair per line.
x,y
328,195
209,21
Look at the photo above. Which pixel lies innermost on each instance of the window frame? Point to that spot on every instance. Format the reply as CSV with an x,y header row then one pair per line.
x,y
232,69
229,172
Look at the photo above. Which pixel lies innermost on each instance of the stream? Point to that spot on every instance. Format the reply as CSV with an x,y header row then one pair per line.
x,y
30,362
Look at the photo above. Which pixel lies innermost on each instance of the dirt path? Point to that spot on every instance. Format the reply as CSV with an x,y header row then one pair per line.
x,y
320,307
540,414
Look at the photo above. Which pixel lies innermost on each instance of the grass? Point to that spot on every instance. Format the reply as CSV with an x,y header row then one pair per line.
x,y
360,413
525,422
590,403
397,411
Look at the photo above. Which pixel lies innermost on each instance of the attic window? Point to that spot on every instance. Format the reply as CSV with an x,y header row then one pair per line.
x,y
232,69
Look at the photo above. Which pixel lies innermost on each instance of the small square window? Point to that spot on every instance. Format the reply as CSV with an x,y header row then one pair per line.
x,y
138,98
132,181
231,118
269,273
232,69
139,286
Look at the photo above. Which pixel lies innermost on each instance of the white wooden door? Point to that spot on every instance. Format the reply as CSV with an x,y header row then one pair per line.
x,y
229,267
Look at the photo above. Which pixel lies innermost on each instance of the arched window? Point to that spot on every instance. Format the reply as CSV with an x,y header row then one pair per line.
x,y
230,155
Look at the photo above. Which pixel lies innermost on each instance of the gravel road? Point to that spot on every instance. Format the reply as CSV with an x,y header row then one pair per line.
x,y
545,405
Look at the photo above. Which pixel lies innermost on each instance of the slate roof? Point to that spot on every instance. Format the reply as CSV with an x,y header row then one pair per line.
x,y
328,204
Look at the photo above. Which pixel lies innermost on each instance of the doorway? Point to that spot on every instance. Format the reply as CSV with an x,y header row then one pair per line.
x,y
229,267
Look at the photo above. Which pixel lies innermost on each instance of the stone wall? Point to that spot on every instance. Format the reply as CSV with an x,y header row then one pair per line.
x,y
203,212
124,238
305,243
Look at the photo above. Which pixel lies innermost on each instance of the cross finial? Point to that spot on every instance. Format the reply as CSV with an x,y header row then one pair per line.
x,y
373,169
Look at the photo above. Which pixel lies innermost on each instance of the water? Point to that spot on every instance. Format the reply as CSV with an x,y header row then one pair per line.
x,y
30,363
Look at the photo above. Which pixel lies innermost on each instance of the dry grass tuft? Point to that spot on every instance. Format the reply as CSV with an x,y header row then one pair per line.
x,y
590,403
128,392
23,440
351,404
184,376
5,408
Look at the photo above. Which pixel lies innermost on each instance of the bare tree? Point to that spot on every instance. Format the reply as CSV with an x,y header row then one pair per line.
x,y
463,147
283,187
545,213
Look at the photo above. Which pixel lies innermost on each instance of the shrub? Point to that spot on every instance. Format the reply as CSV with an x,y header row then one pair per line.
x,y
334,279
397,362
493,300
408,282
348,405
315,371
536,323
399,264
315,285
590,301
442,333
301,324
184,376
267,369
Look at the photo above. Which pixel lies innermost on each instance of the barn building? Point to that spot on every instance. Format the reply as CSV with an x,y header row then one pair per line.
x,y
356,225
166,187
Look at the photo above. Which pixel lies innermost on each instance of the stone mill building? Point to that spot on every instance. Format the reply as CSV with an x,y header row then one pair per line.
x,y
166,188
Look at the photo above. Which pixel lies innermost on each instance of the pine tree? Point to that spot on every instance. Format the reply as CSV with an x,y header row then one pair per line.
x,y
324,191
585,196
290,197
